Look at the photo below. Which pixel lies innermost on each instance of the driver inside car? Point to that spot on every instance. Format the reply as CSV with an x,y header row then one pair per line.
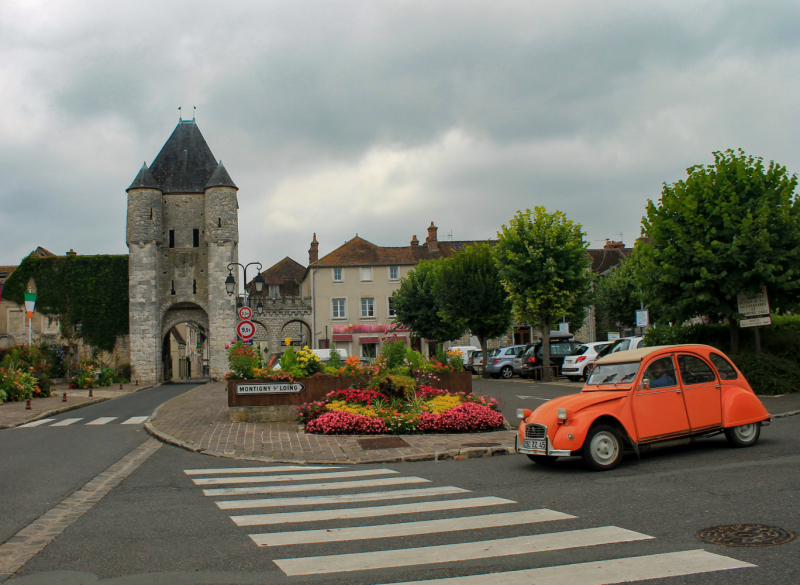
x,y
659,373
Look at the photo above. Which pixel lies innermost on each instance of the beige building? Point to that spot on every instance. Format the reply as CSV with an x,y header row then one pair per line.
x,y
186,353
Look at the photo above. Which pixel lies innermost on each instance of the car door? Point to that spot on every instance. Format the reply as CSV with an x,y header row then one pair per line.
x,y
701,392
659,411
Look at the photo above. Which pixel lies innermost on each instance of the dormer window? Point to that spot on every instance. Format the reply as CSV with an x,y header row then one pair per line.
x,y
274,290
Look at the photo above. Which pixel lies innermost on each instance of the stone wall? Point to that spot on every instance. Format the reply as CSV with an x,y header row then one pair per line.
x,y
145,327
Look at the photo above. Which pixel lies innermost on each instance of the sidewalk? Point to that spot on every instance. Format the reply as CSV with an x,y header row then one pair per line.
x,y
198,420
13,414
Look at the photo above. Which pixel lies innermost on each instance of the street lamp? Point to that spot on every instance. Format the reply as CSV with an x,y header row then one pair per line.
x,y
230,281
260,308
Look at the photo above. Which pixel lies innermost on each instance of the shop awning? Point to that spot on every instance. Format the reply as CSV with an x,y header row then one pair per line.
x,y
343,338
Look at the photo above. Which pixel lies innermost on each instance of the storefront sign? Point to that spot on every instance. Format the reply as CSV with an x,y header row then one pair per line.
x,y
270,388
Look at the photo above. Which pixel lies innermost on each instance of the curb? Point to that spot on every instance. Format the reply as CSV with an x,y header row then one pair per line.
x,y
461,453
785,414
64,409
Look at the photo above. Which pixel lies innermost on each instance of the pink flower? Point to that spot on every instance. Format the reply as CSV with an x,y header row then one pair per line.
x,y
227,346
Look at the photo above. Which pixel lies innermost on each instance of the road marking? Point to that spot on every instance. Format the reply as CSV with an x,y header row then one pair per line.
x,y
448,553
340,499
102,420
267,478
623,570
135,420
19,549
311,487
370,512
408,528
65,422
36,423
535,398
259,469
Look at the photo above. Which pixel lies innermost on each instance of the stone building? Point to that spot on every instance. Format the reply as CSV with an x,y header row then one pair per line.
x,y
182,232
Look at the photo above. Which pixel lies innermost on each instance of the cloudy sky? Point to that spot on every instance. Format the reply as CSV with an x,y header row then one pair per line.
x,y
377,118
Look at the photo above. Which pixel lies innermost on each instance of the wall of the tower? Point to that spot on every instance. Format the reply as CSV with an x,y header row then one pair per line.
x,y
183,264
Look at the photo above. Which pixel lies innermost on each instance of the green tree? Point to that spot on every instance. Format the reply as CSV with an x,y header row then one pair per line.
x,y
728,229
618,294
469,291
417,306
544,266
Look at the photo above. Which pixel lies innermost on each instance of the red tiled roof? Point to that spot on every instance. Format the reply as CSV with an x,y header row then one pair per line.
x,y
606,258
286,269
360,252
5,272
43,253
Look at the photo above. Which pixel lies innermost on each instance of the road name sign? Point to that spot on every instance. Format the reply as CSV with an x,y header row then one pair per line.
x,y
270,388
245,313
245,329
756,306
756,322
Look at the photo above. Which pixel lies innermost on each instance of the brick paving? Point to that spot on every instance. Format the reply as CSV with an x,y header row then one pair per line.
x,y
198,420
13,414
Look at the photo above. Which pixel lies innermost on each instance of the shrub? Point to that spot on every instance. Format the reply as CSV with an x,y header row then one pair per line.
x,y
394,353
84,378
17,385
464,418
768,374
456,360
334,423
335,361
243,359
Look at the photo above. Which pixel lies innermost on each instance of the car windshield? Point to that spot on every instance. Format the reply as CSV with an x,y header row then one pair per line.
x,y
580,350
613,374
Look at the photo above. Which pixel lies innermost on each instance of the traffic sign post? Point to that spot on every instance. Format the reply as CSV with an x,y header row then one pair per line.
x,y
756,309
245,313
245,329
643,319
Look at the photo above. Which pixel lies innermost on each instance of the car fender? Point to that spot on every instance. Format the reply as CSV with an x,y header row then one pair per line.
x,y
741,407
578,426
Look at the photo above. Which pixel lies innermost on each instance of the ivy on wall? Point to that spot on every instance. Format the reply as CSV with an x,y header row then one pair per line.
x,y
90,290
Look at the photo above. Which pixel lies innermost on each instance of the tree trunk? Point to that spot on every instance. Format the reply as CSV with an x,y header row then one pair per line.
x,y
485,352
733,326
545,350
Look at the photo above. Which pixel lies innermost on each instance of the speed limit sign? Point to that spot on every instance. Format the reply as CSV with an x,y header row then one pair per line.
x,y
245,313
245,329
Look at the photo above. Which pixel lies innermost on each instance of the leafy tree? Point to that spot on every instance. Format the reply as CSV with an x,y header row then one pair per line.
x,y
728,229
618,294
417,306
544,266
469,291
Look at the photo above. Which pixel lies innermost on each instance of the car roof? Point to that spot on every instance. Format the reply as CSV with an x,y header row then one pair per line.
x,y
637,355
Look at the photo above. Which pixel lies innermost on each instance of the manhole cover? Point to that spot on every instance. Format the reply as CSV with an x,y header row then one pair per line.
x,y
480,444
745,535
382,443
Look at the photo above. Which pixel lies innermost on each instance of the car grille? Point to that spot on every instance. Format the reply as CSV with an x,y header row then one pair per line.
x,y
535,431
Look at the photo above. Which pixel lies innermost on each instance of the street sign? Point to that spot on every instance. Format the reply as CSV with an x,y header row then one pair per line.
x,y
563,327
756,322
270,388
245,329
756,306
245,313
643,318
612,335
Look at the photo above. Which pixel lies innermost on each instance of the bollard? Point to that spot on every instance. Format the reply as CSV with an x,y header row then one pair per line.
x,y
137,382
120,385
28,404
64,399
91,393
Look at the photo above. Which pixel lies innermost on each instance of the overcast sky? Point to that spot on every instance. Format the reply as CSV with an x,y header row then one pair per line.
x,y
379,117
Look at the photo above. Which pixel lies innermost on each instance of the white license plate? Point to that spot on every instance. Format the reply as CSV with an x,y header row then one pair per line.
x,y
531,444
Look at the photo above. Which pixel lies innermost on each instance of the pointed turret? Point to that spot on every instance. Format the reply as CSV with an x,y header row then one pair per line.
x,y
220,178
185,162
144,180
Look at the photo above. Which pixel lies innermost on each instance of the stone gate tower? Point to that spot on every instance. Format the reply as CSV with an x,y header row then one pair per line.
x,y
182,232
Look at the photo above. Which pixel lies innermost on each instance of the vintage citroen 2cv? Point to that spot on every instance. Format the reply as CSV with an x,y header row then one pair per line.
x,y
642,399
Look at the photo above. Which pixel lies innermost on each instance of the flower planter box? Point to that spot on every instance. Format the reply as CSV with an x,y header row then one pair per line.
x,y
280,406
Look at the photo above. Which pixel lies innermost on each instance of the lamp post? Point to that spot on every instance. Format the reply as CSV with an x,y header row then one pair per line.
x,y
258,281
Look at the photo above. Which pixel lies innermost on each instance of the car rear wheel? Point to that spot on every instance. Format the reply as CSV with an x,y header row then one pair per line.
x,y
743,435
602,450
542,459
507,372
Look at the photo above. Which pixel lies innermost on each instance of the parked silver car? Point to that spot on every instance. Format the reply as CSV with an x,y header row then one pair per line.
x,y
500,363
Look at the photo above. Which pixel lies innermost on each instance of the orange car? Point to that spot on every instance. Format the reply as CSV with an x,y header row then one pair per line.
x,y
643,399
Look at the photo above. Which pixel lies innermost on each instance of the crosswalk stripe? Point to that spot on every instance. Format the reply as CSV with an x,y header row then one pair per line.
x,y
446,553
135,420
313,487
370,512
408,528
36,423
339,499
102,420
259,469
274,478
65,422
607,572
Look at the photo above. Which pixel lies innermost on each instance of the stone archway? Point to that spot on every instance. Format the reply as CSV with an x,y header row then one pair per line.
x,y
174,315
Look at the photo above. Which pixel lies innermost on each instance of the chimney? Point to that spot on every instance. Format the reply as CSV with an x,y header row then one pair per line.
x,y
433,243
313,251
611,245
72,252
414,241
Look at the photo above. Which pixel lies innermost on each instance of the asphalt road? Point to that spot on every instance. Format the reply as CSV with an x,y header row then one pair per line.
x,y
158,527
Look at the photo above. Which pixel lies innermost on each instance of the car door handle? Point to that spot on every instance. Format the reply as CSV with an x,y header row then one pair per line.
x,y
678,391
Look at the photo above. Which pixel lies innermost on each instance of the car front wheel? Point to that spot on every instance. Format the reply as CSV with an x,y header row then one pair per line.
x,y
507,372
743,435
602,450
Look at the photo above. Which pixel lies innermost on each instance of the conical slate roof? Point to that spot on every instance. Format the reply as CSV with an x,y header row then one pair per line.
x,y
185,163
144,180
220,178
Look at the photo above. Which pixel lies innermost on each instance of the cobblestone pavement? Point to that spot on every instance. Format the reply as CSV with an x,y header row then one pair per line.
x,y
198,420
13,414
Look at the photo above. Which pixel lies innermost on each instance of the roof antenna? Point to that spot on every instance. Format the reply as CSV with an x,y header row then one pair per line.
x,y
450,235
180,116
194,112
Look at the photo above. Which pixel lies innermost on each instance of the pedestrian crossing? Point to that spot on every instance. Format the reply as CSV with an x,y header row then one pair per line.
x,y
354,514
103,420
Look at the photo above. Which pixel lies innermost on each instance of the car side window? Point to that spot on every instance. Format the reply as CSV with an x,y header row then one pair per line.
x,y
695,371
724,367
661,373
